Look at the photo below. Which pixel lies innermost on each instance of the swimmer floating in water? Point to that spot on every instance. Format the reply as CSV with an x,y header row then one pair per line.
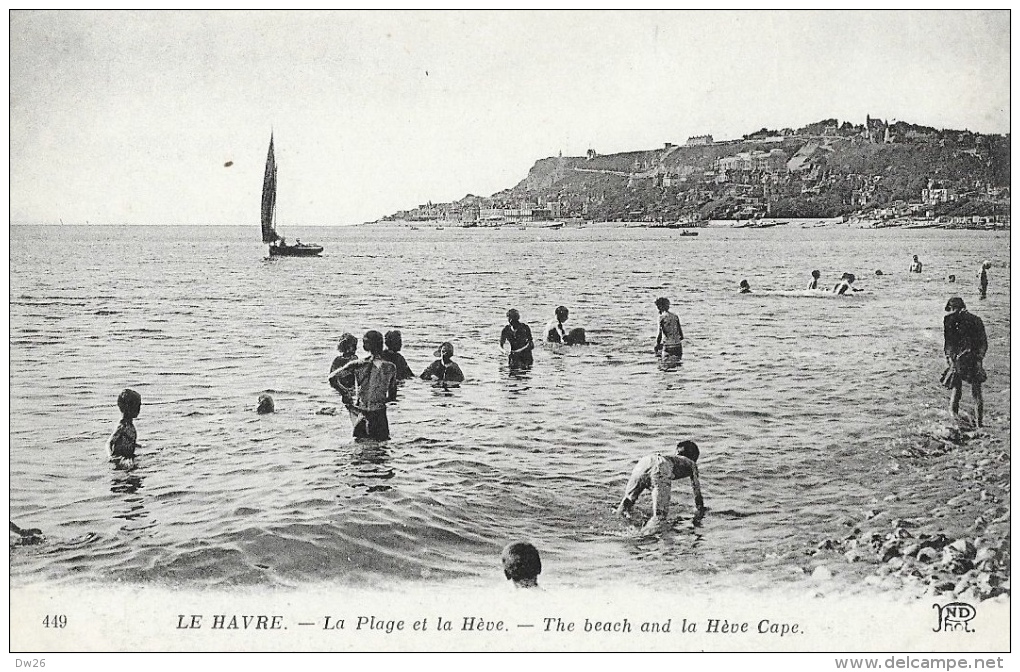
x,y
745,287
915,265
23,537
846,284
815,275
658,473
124,440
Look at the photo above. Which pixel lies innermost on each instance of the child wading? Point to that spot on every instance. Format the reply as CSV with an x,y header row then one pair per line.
x,y
124,440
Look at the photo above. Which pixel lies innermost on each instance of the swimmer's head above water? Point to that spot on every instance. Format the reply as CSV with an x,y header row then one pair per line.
x,y
394,341
662,303
265,405
522,564
372,341
130,403
347,344
512,316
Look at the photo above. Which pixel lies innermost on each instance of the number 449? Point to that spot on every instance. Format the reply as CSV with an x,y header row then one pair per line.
x,y
55,621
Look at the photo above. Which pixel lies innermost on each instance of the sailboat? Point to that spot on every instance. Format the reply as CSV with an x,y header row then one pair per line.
x,y
278,246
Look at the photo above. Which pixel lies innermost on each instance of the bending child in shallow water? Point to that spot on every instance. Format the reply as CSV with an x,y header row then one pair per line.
x,y
658,473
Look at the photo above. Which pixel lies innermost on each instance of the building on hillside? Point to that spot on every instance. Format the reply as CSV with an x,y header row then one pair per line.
x,y
933,196
757,161
695,140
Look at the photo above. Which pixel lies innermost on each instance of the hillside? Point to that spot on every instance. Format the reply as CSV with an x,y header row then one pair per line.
x,y
876,169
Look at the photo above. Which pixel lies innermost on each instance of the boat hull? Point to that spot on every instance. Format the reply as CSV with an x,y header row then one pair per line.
x,y
295,250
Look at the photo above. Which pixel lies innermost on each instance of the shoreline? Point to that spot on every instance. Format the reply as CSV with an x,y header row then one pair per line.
x,y
787,223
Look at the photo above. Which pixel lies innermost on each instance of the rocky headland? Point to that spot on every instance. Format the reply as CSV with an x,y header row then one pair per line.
x,y
886,173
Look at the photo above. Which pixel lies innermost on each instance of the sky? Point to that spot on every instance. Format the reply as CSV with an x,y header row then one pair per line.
x,y
133,117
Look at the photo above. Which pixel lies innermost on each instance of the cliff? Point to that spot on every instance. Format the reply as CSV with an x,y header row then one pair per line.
x,y
821,170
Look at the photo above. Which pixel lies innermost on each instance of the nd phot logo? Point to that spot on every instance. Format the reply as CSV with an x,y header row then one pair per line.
x,y
954,617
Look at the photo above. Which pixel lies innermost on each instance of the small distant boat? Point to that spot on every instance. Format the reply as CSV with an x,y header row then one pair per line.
x,y
685,232
278,246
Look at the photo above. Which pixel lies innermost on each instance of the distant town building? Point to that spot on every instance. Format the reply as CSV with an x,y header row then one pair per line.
x,y
769,162
932,196
699,140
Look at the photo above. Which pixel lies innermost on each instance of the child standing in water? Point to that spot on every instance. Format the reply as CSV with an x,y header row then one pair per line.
x,y
669,342
124,440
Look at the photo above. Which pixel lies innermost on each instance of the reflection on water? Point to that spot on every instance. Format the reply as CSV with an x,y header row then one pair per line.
x,y
370,461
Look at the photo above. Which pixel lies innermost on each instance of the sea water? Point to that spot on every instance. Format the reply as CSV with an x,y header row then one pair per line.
x,y
800,403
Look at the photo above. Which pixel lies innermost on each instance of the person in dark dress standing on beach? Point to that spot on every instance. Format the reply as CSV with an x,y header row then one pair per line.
x,y
518,335
966,345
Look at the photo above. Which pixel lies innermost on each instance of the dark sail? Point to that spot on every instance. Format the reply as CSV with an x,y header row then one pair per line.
x,y
269,197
